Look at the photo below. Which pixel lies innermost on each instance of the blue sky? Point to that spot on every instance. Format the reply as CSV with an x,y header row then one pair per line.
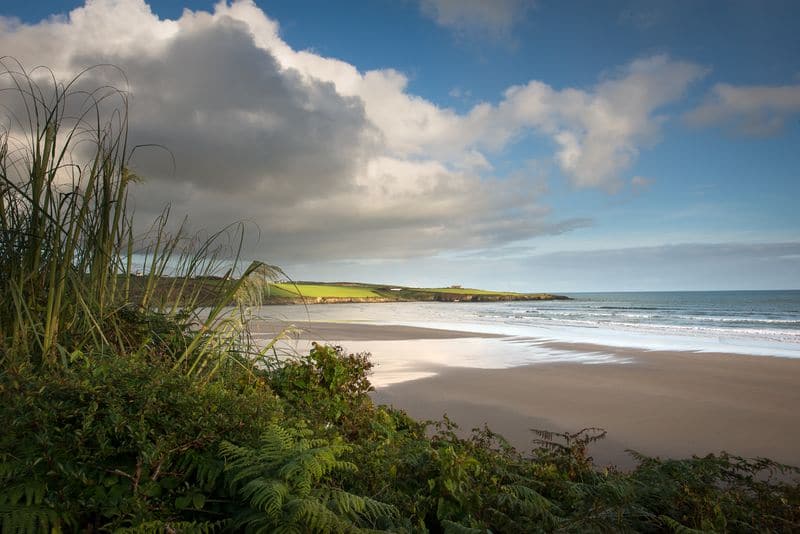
x,y
563,146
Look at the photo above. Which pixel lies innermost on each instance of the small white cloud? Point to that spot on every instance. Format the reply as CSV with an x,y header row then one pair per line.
x,y
754,110
493,18
459,94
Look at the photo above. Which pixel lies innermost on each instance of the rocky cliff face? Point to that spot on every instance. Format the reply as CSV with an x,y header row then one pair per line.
x,y
455,297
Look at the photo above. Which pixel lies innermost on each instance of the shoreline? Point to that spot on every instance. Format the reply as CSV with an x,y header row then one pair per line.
x,y
554,322
453,298
658,402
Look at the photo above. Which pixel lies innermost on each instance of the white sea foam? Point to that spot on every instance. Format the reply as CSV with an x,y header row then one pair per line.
x,y
719,322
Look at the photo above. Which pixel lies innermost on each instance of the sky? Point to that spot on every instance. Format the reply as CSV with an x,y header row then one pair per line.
x,y
510,144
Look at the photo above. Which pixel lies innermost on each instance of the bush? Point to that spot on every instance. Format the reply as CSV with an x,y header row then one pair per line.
x,y
328,385
119,441
115,441
287,485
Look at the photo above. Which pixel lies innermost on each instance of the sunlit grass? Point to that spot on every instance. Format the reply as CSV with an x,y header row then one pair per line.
x,y
67,238
321,291
467,291
297,292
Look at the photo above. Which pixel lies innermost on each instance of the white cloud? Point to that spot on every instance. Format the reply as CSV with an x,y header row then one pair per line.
x,y
331,161
599,132
494,18
750,110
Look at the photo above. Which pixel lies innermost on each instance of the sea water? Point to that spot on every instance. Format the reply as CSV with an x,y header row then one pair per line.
x,y
741,322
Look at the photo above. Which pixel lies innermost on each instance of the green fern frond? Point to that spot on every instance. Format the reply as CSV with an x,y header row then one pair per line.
x,y
308,466
30,492
285,484
267,495
360,508
316,517
184,527
206,468
528,501
451,527
31,519
288,529
677,527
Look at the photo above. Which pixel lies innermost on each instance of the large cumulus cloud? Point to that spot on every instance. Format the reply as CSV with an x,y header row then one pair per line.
x,y
330,161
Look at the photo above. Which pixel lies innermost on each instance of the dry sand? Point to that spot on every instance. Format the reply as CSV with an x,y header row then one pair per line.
x,y
669,404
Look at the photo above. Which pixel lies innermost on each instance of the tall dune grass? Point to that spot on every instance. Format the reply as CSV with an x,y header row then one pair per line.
x,y
68,241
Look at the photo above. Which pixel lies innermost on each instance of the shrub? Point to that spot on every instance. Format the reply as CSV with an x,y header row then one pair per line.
x,y
328,384
287,487
116,441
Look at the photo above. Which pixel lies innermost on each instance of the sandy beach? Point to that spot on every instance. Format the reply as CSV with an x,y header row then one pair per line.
x,y
333,332
660,403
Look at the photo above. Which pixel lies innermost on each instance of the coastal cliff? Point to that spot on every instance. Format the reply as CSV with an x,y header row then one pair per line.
x,y
428,297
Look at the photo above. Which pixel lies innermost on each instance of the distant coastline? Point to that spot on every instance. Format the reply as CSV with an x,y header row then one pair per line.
x,y
206,289
353,292
437,298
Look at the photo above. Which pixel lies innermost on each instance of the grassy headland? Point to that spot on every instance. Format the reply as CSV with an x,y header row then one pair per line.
x,y
126,409
206,289
321,292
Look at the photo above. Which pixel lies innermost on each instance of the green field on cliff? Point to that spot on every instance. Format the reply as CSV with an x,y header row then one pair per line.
x,y
315,290
468,291
376,292
166,290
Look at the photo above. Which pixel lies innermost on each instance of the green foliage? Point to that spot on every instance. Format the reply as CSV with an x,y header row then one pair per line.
x,y
320,290
28,517
286,483
140,403
129,443
185,527
113,441
328,384
67,241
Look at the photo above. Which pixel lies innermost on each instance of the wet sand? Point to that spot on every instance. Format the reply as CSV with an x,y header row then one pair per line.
x,y
663,404
328,332
660,403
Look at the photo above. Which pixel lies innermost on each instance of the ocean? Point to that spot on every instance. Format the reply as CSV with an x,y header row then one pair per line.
x,y
740,322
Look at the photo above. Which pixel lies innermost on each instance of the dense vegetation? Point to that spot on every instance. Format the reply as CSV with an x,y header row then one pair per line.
x,y
125,407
